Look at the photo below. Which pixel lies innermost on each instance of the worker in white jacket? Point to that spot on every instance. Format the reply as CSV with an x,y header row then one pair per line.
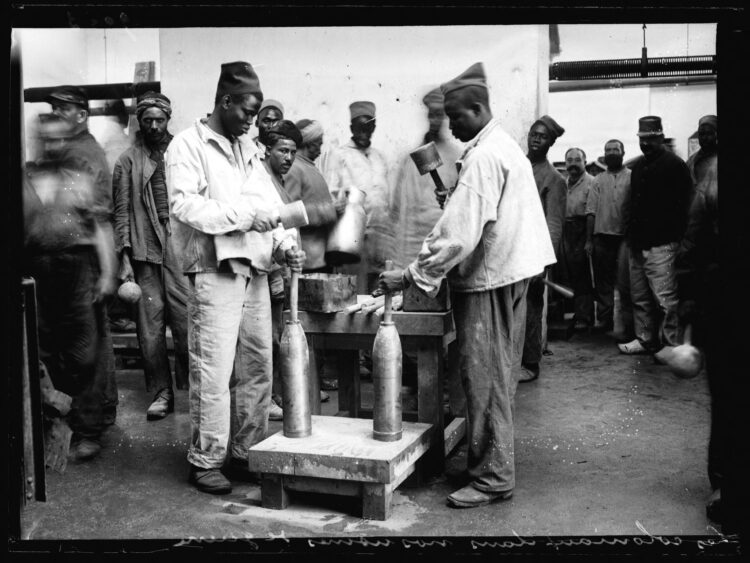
x,y
231,236
491,238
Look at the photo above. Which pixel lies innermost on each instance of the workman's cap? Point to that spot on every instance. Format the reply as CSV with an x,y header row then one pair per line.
x,y
238,78
433,97
275,104
357,109
472,76
152,99
711,120
650,126
284,128
553,127
71,95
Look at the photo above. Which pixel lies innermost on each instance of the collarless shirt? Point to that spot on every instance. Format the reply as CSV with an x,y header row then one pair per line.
x,y
577,195
608,200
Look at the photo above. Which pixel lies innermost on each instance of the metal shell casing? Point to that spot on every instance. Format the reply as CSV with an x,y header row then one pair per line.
x,y
386,377
295,384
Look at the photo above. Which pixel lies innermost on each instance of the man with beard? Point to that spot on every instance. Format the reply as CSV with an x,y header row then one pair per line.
x,y
605,236
575,267
148,252
490,239
551,187
660,187
359,165
69,252
233,239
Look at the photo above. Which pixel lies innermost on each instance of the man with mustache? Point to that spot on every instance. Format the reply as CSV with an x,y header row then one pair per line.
x,y
575,265
143,238
660,188
233,239
551,187
605,235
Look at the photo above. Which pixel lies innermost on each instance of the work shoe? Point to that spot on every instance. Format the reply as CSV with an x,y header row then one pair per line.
x,y
529,373
328,384
633,347
471,497
162,405
236,469
664,355
324,397
209,480
84,450
275,412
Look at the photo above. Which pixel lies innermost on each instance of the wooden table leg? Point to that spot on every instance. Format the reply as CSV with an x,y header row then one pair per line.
x,y
376,501
348,371
430,405
272,492
314,376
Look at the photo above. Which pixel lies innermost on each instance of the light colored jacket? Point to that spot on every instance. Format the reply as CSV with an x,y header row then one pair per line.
x,y
214,193
492,232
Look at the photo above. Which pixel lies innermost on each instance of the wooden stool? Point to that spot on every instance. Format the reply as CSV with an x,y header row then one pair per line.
x,y
340,457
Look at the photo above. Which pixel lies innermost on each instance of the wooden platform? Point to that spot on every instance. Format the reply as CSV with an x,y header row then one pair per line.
x,y
340,457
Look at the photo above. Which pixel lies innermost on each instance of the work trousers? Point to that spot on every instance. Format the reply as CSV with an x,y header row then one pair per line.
x,y
622,286
490,328
605,258
575,268
230,351
163,302
536,321
653,288
70,328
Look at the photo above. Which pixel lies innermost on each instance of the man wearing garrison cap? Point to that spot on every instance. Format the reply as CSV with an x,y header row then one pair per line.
x,y
149,254
552,191
357,164
490,239
233,239
660,189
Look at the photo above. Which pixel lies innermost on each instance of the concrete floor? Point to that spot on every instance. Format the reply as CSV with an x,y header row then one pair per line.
x,y
605,445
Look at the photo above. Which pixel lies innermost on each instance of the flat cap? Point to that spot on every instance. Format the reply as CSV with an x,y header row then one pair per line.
x,y
284,128
71,95
357,109
472,76
237,78
709,120
552,126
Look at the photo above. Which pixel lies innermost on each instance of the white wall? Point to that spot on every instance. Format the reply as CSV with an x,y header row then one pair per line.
x,y
317,72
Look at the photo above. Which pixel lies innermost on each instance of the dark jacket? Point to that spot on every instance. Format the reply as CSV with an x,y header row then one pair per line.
x,y
660,189
137,224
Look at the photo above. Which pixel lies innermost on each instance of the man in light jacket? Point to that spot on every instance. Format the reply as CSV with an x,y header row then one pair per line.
x,y
233,236
491,238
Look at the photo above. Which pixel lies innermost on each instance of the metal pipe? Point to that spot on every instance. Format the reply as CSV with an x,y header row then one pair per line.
x,y
607,83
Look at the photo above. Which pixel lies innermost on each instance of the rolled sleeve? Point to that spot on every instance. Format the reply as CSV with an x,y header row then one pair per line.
x,y
122,189
459,230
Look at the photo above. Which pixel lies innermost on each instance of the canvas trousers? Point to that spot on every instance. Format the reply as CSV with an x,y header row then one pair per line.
x,y
230,356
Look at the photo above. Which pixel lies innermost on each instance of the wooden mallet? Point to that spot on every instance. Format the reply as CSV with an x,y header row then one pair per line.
x,y
427,160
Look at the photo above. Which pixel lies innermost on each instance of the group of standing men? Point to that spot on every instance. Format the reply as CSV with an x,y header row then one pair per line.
x,y
198,224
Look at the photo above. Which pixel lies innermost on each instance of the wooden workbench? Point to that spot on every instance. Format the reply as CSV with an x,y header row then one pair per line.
x,y
427,334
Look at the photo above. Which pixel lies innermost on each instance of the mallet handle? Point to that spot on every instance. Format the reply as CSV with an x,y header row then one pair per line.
x,y
388,297
565,291
437,180
294,293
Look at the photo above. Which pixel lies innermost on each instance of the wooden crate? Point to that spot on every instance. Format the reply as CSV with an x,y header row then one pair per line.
x,y
416,300
324,293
